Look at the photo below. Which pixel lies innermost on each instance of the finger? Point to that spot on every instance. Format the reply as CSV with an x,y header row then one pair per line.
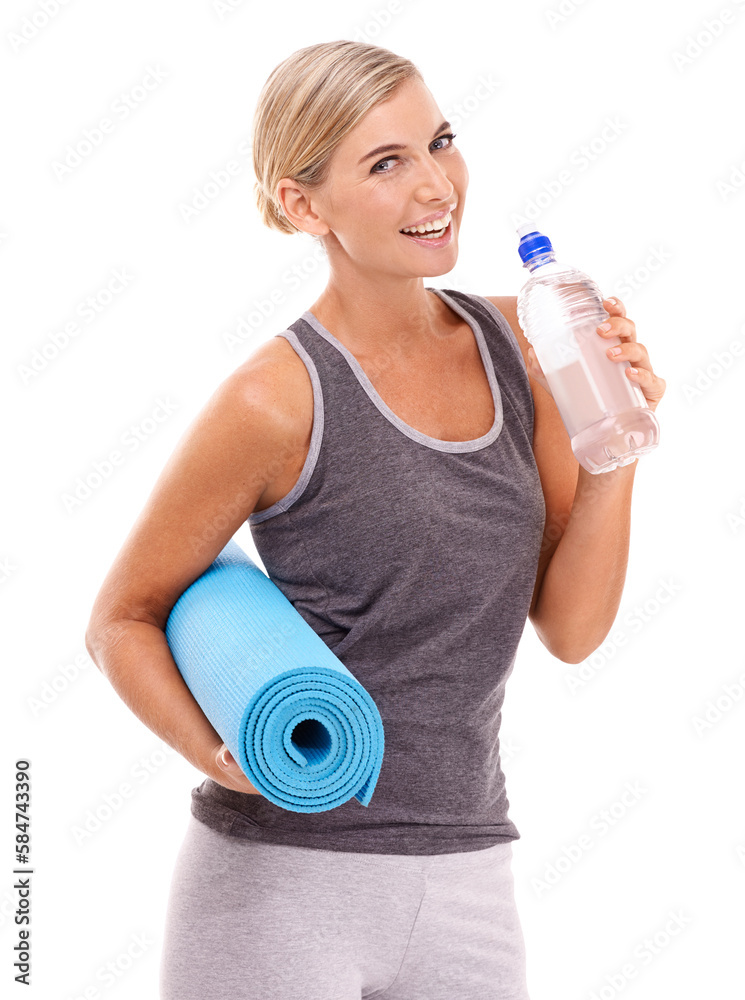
x,y
641,374
226,761
631,351
618,326
651,385
614,306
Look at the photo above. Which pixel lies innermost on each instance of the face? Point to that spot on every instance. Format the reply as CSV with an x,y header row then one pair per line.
x,y
372,193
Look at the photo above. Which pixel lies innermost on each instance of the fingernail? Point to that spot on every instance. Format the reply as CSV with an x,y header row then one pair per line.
x,y
613,302
223,758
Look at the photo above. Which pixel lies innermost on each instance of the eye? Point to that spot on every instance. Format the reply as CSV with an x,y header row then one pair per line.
x,y
374,170
390,159
450,136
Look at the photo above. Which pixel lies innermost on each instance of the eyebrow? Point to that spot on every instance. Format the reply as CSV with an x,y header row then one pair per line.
x,y
387,149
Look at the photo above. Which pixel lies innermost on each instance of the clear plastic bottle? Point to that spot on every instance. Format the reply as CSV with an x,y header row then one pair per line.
x,y
559,309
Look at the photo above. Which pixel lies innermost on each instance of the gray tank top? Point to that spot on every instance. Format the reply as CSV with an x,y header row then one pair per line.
x,y
414,559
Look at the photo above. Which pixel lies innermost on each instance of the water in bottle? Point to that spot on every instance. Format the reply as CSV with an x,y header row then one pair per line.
x,y
559,308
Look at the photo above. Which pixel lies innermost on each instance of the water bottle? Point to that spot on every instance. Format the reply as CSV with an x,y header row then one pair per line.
x,y
559,309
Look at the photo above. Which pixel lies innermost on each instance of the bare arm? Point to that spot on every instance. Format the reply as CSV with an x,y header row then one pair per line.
x,y
584,554
135,658
583,583
241,440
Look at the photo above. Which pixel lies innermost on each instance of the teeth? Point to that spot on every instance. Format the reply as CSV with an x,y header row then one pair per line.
x,y
430,227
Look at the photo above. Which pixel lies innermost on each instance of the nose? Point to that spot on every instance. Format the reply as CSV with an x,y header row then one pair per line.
x,y
433,183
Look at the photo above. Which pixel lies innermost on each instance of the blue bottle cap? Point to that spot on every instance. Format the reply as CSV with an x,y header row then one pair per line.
x,y
532,244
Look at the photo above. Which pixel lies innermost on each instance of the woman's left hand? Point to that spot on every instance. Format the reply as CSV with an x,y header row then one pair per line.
x,y
640,370
632,351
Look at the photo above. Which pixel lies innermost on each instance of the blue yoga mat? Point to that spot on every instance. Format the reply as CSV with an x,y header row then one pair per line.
x,y
305,732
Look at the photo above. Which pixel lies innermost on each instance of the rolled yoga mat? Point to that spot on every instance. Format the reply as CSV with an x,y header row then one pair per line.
x,y
305,732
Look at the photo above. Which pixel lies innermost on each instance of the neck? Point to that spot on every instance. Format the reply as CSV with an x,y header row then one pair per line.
x,y
372,313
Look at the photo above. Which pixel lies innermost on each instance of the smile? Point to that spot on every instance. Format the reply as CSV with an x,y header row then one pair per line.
x,y
436,227
433,240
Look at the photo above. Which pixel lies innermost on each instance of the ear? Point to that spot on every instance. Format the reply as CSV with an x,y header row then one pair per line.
x,y
297,205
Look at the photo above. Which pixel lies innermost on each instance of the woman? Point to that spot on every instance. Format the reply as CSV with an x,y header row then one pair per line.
x,y
411,489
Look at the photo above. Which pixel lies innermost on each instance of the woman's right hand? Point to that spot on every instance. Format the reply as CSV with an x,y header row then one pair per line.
x,y
229,773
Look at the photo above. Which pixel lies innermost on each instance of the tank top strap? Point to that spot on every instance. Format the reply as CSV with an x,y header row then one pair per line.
x,y
341,407
328,365
343,390
505,351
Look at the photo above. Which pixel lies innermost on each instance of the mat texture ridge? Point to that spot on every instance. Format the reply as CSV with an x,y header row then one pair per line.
x,y
305,732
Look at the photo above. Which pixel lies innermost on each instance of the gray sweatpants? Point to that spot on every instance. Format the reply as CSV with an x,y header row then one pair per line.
x,y
253,921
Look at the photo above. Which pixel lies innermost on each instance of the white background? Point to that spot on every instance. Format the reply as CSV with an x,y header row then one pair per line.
x,y
645,211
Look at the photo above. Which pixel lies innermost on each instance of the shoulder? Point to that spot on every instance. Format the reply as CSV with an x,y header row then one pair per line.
x,y
557,466
507,306
274,381
264,410
275,362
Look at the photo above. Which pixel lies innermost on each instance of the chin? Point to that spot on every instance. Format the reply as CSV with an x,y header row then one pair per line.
x,y
442,266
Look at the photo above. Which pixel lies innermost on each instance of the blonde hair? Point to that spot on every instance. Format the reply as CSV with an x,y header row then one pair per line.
x,y
307,106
